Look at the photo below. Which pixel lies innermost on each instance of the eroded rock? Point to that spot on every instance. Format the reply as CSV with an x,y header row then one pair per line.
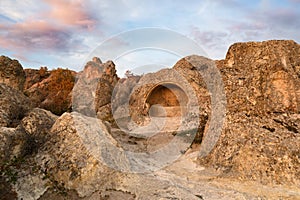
x,y
260,139
13,106
14,143
50,90
37,124
93,89
11,73
70,156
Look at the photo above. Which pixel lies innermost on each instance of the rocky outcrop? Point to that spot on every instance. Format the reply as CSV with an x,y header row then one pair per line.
x,y
50,90
94,87
37,124
34,76
260,139
77,155
263,75
105,87
122,91
20,174
71,156
13,106
13,144
11,73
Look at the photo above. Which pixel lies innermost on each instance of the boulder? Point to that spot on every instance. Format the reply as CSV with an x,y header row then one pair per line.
x,y
13,106
13,144
34,76
37,124
70,157
11,73
50,90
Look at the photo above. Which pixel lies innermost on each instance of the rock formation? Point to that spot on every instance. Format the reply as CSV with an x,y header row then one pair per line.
x,y
11,73
260,139
50,89
264,76
85,154
34,76
93,89
37,124
13,106
68,158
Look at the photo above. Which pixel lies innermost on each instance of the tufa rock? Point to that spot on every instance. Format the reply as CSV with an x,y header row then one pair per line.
x,y
37,124
34,76
260,139
13,144
262,77
13,106
11,73
93,89
51,90
70,157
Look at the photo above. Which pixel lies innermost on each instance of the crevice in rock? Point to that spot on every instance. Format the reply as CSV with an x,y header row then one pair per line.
x,y
199,196
289,127
269,128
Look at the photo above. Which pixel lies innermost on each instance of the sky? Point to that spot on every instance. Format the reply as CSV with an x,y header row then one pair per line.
x,y
67,33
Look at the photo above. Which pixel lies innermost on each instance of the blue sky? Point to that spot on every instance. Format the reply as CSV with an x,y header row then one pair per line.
x,y
63,33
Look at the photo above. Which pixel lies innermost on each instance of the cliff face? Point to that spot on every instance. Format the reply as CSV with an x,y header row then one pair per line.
x,y
262,77
260,138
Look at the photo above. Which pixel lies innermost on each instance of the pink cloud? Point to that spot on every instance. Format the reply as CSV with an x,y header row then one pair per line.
x,y
30,35
208,38
71,12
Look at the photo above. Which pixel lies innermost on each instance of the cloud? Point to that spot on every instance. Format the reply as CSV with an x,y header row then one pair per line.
x,y
208,38
49,26
65,31
214,42
17,11
283,17
34,35
72,13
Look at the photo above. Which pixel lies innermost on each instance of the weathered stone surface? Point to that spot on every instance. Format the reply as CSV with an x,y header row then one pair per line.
x,y
122,91
37,124
34,76
262,77
104,113
13,106
13,143
260,149
260,139
51,90
104,91
93,89
6,190
11,73
69,157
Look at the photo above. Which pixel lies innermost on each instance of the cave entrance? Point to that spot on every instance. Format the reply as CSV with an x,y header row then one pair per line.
x,y
166,100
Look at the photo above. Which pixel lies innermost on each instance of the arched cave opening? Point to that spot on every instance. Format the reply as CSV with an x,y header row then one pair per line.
x,y
166,100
